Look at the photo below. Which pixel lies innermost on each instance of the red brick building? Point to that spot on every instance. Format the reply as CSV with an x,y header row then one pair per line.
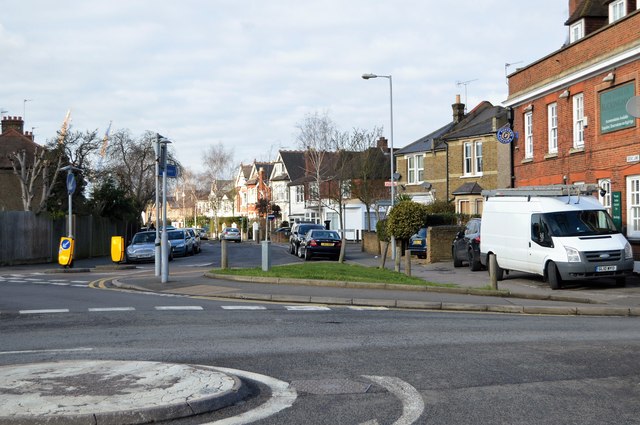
x,y
573,110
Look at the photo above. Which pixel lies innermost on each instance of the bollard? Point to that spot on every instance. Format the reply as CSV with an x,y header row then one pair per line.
x,y
224,263
493,271
266,256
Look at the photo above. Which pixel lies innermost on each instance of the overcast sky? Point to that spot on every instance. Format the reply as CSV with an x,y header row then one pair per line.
x,y
244,73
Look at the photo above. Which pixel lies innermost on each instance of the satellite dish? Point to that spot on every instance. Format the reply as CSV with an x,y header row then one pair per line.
x,y
633,106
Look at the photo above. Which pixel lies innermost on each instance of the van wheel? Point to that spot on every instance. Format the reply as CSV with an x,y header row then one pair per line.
x,y
474,261
456,262
621,281
553,277
499,270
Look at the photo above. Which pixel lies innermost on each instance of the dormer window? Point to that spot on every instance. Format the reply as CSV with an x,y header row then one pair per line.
x,y
617,10
576,31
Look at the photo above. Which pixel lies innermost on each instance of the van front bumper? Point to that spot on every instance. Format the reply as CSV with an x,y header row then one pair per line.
x,y
588,270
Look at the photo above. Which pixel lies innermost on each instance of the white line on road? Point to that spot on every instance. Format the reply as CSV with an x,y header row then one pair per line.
x,y
412,403
179,307
51,310
243,307
282,397
53,350
306,308
365,308
112,309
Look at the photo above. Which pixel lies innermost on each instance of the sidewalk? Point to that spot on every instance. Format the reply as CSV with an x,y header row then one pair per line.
x,y
517,294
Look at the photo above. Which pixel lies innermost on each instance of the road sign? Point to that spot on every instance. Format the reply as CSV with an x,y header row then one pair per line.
x,y
172,171
71,183
389,184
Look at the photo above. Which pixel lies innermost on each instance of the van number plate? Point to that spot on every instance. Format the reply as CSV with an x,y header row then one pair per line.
x,y
606,268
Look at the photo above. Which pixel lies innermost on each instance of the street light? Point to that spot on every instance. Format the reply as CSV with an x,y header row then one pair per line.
x,y
368,77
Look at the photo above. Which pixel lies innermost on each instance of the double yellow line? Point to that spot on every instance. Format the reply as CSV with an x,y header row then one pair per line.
x,y
100,283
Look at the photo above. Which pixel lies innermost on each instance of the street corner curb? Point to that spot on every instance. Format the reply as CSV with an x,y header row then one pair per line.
x,y
115,266
68,270
123,285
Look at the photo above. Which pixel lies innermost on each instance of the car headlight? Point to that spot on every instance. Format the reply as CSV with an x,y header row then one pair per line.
x,y
180,245
628,252
573,256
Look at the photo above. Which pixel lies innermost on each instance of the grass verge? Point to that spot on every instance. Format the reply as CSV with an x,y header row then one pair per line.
x,y
333,271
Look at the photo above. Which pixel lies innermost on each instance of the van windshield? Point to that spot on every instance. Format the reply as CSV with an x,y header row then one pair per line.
x,y
579,223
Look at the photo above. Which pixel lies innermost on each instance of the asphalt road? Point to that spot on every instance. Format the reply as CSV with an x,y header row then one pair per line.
x,y
346,365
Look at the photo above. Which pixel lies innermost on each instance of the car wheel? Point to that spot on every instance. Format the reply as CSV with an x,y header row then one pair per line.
x,y
474,261
553,276
292,249
307,255
621,281
171,255
456,261
300,252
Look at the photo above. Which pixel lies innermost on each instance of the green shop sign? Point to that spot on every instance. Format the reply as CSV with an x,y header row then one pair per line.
x,y
613,112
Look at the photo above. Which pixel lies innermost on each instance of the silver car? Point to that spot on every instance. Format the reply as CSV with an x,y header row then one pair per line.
x,y
231,234
142,248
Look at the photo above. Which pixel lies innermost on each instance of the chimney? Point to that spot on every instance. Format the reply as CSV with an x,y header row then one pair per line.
x,y
15,123
458,110
382,144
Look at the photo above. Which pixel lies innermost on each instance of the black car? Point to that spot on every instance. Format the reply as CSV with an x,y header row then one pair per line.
x,y
320,243
466,246
418,243
298,230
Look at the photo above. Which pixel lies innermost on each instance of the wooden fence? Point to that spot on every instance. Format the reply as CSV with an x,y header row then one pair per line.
x,y
26,238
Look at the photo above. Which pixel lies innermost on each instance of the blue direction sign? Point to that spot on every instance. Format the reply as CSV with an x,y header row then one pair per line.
x,y
172,171
71,183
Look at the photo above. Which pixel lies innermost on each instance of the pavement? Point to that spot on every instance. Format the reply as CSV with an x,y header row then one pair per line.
x,y
118,392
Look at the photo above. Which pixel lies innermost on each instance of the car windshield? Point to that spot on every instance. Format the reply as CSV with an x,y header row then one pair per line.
x,y
232,230
176,234
144,238
579,223
302,230
422,233
325,234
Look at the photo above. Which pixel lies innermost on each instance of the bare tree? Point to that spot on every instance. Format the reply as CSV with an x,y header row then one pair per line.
x,y
218,163
317,136
131,163
42,168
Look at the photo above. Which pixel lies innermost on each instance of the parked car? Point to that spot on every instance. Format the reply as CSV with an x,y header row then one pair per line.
x,y
466,246
418,243
231,234
298,231
196,240
181,242
286,231
143,248
320,243
203,233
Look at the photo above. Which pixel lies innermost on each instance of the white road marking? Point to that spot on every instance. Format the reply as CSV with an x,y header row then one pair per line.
x,y
243,307
112,309
79,281
179,307
51,310
58,283
53,350
365,308
282,397
306,308
412,403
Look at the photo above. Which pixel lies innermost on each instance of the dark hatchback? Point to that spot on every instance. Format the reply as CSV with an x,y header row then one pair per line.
x,y
466,246
418,243
320,243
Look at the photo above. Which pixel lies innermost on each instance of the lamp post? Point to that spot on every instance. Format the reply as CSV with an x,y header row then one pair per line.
x,y
393,194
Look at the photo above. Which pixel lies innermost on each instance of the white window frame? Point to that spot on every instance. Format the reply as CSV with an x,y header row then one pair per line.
x,y
552,123
606,199
411,169
633,206
299,194
617,10
528,135
578,120
576,31
472,164
415,169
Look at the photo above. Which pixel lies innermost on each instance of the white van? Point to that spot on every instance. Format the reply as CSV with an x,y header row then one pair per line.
x,y
558,232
